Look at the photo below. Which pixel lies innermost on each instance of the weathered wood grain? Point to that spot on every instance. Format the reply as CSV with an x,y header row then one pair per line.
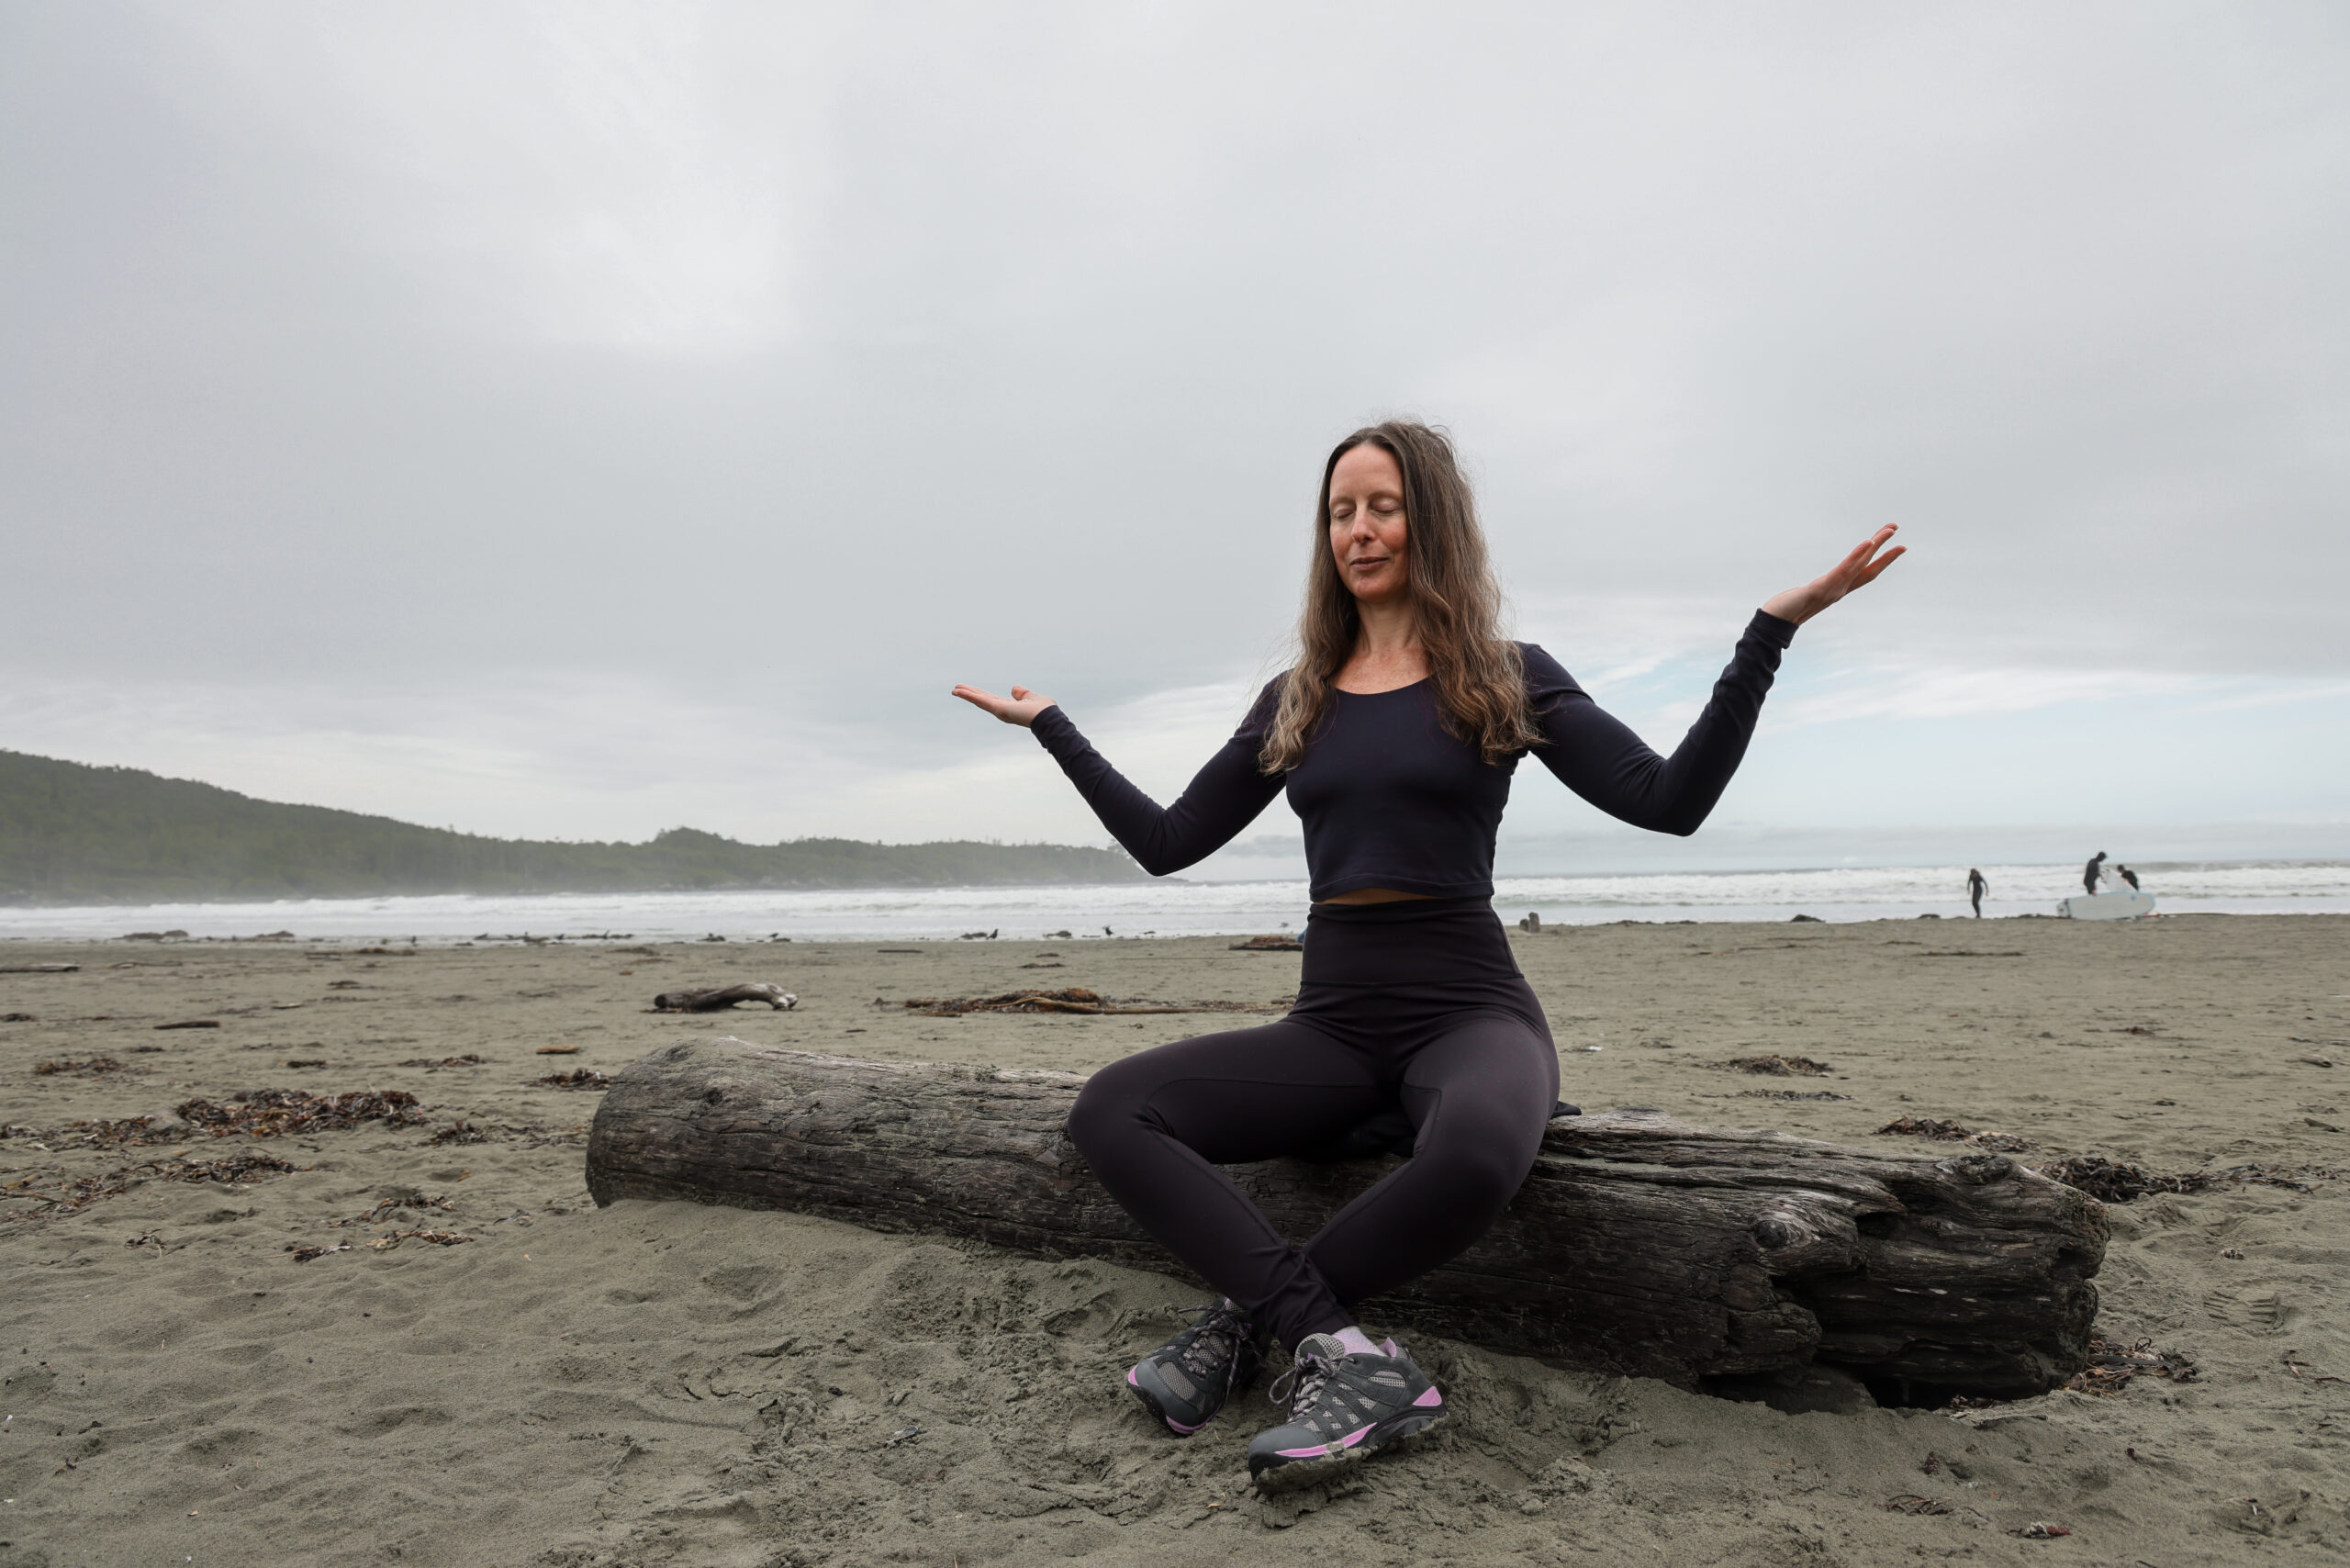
x,y
1638,1243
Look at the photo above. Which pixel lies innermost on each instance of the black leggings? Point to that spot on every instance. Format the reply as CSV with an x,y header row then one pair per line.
x,y
1414,1004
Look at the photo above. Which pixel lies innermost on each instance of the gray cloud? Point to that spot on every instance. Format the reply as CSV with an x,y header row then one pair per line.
x,y
798,366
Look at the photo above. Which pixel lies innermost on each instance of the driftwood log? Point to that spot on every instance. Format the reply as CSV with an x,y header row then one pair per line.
x,y
1638,1243
724,997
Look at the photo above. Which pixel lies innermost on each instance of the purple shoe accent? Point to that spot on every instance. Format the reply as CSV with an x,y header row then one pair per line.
x,y
1319,1450
1429,1398
1130,1379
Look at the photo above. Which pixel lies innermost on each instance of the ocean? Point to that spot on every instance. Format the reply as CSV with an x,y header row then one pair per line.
x,y
1177,908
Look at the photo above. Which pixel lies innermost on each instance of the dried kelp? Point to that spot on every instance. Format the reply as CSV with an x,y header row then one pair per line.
x,y
1912,1503
93,1067
72,1197
1790,1094
1069,998
577,1078
462,1132
468,1060
389,1206
1777,1066
1951,1132
273,1113
1270,944
242,1169
2111,1181
2111,1367
437,1237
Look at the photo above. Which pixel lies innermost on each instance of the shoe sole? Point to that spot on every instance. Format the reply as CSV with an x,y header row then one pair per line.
x,y
1287,1475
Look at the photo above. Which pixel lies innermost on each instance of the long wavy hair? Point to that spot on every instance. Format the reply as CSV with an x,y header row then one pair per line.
x,y
1480,677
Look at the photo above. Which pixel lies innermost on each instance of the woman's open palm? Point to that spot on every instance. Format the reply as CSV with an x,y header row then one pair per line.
x,y
1856,570
1021,708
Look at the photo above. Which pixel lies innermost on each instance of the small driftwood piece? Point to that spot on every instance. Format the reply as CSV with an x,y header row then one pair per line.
x,y
1638,1243
1069,998
725,997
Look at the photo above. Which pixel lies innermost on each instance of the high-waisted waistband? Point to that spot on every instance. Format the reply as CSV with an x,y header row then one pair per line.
x,y
1408,942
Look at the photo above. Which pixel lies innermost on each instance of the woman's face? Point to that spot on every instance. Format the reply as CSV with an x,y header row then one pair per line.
x,y
1367,524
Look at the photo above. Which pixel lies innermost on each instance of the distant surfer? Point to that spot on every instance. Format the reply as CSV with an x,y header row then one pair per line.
x,y
1396,736
2127,874
1975,888
2090,871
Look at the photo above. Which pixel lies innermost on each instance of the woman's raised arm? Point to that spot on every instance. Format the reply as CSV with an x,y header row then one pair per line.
x,y
1223,797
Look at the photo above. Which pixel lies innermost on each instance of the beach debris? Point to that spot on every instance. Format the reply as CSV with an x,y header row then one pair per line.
x,y
978,935
305,1061
2235,1252
558,1051
242,1169
1951,1132
1805,919
1040,965
1275,944
303,1254
1069,998
723,997
1058,936
2038,1531
389,1206
39,969
2316,1061
437,1237
1790,1094
461,1132
1777,1066
2112,1368
17,1018
903,1434
577,1078
192,1023
1912,1503
468,1060
272,1113
93,1067
151,935
2110,1182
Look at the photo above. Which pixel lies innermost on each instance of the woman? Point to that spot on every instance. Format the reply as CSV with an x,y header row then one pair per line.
x,y
1396,736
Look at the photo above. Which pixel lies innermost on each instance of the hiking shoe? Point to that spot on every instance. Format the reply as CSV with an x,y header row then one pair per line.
x,y
1186,1381
1342,1406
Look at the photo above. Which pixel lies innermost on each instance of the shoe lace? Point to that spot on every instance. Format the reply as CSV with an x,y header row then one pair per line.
x,y
1308,1372
1214,1339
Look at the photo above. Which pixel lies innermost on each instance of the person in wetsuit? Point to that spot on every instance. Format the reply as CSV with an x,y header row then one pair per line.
x,y
2089,872
1975,888
2127,874
1396,737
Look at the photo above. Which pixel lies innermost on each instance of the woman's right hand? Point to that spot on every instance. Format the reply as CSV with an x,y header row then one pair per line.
x,y
1021,708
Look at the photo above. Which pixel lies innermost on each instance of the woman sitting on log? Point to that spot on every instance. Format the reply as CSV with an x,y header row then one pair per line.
x,y
1397,735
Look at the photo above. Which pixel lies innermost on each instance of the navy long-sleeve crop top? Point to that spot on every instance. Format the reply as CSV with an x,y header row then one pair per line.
x,y
1390,800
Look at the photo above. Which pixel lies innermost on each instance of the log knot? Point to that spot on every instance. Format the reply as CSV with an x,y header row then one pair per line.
x,y
1976,1169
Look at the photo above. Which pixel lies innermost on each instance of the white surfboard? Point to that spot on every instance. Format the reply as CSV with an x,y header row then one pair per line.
x,y
2107,906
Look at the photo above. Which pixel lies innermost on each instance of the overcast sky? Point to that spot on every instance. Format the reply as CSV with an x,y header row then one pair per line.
x,y
576,420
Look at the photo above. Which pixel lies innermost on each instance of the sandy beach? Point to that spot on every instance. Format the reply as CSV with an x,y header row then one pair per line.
x,y
522,1378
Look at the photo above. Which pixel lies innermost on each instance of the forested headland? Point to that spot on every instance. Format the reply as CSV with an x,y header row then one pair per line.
x,y
73,833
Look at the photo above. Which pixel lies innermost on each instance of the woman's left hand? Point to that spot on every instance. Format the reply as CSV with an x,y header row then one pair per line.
x,y
1857,570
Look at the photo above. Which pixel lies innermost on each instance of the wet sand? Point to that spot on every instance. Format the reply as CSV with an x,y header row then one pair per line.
x,y
671,1383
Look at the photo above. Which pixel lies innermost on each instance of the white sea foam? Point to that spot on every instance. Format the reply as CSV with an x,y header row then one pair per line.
x,y
1182,909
